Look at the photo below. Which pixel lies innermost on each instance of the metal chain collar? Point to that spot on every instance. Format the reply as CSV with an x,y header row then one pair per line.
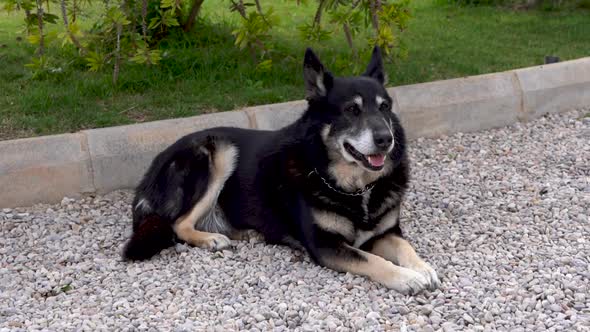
x,y
359,192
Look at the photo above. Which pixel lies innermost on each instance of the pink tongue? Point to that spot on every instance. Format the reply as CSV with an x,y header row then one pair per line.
x,y
376,160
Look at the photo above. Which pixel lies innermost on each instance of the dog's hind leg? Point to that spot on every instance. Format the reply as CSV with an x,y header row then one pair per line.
x,y
223,162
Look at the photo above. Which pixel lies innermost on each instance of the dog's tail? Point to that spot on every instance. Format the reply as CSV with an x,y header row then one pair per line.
x,y
178,179
149,238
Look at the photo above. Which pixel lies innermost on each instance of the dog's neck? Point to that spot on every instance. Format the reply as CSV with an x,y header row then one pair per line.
x,y
334,188
350,176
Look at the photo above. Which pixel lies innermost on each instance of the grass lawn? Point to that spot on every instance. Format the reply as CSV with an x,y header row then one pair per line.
x,y
206,73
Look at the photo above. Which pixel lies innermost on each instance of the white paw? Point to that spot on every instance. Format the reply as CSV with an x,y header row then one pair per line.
x,y
408,282
216,242
429,273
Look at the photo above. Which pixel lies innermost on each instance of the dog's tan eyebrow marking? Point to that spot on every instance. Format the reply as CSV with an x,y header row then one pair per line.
x,y
358,100
325,132
379,100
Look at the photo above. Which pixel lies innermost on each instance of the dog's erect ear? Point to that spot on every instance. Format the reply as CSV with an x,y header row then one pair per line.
x,y
375,67
317,80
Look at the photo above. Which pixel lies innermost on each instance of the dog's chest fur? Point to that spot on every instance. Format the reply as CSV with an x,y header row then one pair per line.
x,y
356,218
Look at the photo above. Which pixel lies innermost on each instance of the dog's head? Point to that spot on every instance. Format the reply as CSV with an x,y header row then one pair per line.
x,y
362,127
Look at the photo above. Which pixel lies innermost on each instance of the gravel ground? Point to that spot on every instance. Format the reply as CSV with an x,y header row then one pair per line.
x,y
502,215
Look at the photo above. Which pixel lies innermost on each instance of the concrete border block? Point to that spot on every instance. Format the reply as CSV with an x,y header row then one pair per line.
x,y
275,116
462,104
121,155
44,169
555,87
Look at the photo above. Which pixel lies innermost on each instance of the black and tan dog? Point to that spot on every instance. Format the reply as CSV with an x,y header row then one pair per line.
x,y
331,183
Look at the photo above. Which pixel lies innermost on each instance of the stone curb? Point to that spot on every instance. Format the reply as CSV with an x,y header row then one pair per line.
x,y
120,155
45,169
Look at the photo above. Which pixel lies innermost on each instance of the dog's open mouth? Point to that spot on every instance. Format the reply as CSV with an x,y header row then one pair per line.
x,y
373,161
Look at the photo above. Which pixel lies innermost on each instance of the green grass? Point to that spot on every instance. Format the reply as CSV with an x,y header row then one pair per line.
x,y
204,72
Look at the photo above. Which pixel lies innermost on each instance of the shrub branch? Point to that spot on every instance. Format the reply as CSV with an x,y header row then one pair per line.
x,y
41,49
75,40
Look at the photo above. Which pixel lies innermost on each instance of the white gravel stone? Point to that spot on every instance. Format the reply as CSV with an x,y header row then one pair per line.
x,y
502,215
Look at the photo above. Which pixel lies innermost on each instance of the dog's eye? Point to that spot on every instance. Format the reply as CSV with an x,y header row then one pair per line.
x,y
354,109
384,107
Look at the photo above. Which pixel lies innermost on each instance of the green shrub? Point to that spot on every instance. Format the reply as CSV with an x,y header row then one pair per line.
x,y
132,31
548,5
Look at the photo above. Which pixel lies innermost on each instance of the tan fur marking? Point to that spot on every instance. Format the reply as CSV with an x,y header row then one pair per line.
x,y
358,100
397,250
223,164
325,132
379,270
388,221
334,223
379,100
351,176
203,240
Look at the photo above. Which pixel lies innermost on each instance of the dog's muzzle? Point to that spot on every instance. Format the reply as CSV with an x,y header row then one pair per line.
x,y
373,161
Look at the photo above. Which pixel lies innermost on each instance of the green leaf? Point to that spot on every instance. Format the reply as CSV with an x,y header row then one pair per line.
x,y
264,66
37,63
154,23
9,5
155,56
33,39
310,32
117,16
167,3
169,20
94,61
139,58
27,5
50,18
147,56
74,28
66,288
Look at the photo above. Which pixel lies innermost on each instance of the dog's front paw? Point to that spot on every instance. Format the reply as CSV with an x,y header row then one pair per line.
x,y
408,282
216,241
429,273
246,235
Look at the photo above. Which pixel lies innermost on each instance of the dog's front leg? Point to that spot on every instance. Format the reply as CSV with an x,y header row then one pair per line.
x,y
399,251
345,258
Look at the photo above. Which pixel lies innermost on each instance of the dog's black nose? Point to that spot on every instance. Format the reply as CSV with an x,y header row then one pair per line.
x,y
383,139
